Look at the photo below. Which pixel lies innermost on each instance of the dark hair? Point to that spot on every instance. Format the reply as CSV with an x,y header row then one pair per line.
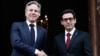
x,y
68,11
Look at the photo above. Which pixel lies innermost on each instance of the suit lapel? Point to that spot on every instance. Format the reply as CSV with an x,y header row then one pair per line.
x,y
74,37
38,35
26,29
62,42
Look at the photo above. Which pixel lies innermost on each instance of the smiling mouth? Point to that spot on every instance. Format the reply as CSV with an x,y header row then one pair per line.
x,y
32,15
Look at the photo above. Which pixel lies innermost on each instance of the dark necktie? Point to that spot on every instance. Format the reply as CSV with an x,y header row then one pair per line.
x,y
32,33
68,40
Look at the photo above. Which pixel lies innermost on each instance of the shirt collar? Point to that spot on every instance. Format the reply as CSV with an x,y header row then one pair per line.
x,y
71,32
30,23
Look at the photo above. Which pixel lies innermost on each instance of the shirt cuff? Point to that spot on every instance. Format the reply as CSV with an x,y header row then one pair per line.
x,y
36,51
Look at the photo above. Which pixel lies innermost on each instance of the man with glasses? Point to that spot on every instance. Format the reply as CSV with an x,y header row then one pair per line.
x,y
71,42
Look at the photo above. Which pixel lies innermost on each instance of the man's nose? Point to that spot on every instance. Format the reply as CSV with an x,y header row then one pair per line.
x,y
68,20
33,12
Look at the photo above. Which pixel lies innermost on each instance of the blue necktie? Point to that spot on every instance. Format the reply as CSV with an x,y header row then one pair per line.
x,y
32,33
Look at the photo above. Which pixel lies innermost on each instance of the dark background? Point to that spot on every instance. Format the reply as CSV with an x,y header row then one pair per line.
x,y
13,10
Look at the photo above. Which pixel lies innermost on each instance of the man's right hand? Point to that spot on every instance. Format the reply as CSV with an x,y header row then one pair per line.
x,y
41,53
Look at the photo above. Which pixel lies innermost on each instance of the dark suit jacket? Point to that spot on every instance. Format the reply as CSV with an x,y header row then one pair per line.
x,y
80,45
21,40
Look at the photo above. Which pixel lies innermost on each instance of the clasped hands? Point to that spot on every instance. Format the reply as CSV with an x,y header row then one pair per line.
x,y
41,53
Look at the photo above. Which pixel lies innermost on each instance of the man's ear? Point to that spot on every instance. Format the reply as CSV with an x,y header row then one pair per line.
x,y
61,22
75,20
39,14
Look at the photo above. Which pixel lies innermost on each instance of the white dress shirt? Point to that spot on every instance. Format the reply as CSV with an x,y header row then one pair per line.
x,y
71,32
35,28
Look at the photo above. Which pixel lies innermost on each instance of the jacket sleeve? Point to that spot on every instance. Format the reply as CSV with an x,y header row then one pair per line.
x,y
18,44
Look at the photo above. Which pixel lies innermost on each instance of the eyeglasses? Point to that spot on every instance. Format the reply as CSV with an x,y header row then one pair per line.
x,y
66,19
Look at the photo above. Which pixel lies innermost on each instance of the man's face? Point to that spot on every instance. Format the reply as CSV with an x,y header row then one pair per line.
x,y
32,13
68,21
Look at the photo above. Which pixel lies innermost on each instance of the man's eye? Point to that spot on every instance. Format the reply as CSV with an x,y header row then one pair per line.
x,y
31,9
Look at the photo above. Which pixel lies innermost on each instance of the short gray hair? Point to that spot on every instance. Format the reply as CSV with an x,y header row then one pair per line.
x,y
33,2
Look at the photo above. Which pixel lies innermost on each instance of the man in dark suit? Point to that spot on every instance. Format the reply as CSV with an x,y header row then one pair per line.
x,y
23,43
71,42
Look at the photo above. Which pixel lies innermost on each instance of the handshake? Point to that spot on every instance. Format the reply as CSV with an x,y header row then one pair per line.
x,y
41,53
